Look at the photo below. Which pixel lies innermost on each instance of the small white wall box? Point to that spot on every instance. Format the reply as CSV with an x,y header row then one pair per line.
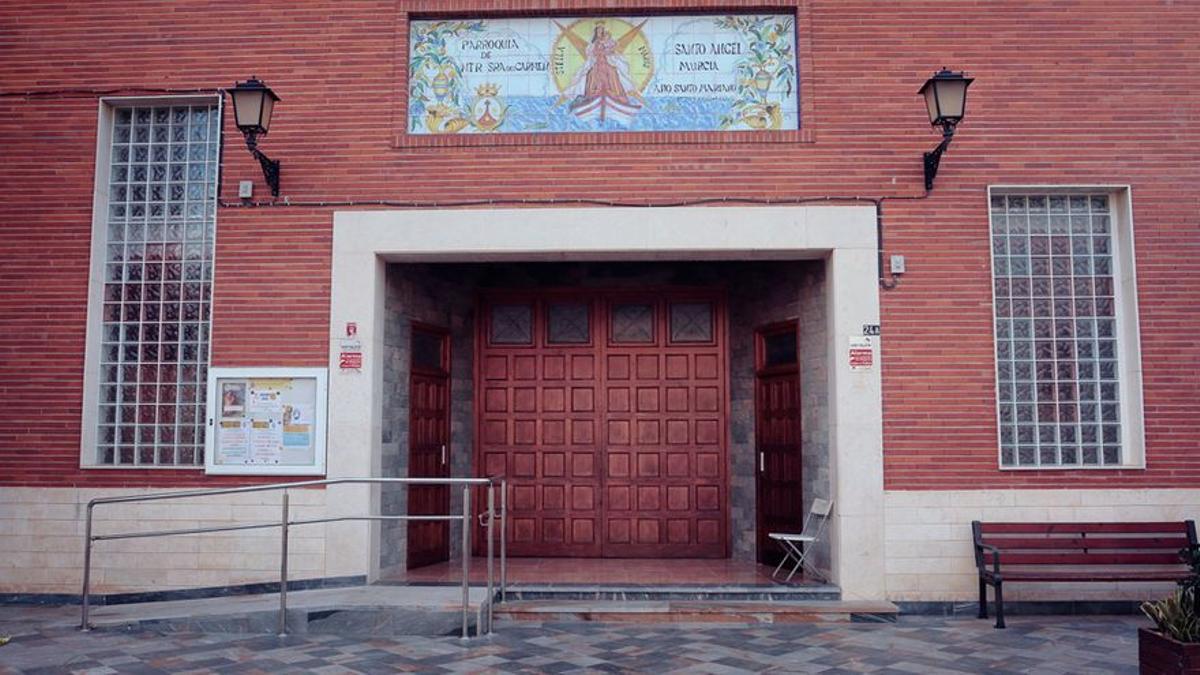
x,y
897,264
246,189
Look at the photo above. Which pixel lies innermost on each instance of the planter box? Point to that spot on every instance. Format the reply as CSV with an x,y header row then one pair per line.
x,y
1158,654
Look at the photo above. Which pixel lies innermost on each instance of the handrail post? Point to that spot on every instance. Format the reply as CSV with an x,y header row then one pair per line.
x,y
491,532
87,570
503,540
466,559
283,567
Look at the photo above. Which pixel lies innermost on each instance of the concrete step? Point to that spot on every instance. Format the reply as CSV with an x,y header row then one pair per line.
x,y
626,593
382,611
697,611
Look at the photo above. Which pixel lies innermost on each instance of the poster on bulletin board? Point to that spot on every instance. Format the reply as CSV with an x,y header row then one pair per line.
x,y
266,421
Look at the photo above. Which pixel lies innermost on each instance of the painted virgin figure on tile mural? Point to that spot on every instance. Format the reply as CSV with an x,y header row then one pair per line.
x,y
603,88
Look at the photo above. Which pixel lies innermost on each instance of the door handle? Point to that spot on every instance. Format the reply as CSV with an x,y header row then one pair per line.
x,y
762,462
443,455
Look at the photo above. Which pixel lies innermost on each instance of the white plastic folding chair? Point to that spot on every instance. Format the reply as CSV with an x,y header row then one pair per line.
x,y
797,548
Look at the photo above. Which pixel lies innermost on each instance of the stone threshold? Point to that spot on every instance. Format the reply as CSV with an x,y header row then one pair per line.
x,y
668,592
698,611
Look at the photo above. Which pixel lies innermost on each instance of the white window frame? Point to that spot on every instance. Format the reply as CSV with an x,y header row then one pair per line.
x,y
90,413
1129,346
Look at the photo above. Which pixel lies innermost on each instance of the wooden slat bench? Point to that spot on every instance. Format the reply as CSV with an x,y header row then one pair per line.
x,y
1077,552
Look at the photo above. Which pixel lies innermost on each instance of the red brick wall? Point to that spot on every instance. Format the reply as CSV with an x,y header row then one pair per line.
x,y
1090,92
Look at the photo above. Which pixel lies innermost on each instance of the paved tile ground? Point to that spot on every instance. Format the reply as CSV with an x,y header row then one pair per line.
x,y
1052,645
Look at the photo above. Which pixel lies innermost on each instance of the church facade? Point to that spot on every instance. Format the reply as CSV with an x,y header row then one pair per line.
x,y
673,270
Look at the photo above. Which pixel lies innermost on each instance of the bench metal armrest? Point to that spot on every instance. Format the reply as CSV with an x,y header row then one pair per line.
x,y
979,548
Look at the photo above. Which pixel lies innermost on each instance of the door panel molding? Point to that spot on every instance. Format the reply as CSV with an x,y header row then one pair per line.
x,y
611,448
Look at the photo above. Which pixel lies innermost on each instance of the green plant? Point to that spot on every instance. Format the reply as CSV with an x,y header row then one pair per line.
x,y
1191,584
1175,616
1178,615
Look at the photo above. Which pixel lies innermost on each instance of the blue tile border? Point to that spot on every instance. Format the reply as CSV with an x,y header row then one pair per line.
x,y
1023,608
874,617
52,599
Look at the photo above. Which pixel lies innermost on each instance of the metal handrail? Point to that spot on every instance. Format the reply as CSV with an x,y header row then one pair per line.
x,y
488,517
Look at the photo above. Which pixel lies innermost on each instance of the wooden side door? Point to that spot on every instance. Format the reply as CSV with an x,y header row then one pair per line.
x,y
429,443
777,429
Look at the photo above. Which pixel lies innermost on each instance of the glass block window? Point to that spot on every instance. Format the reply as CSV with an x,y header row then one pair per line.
x,y
1056,330
691,322
567,323
512,325
157,285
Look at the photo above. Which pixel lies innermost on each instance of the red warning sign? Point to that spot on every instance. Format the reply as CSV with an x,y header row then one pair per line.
x,y
350,356
861,353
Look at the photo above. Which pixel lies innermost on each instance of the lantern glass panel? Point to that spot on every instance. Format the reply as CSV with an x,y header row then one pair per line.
x,y
931,103
268,106
952,96
247,107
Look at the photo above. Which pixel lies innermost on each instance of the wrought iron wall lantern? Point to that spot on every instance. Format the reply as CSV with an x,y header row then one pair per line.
x,y
253,103
946,98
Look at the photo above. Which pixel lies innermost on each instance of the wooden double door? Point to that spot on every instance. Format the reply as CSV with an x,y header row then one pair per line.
x,y
607,413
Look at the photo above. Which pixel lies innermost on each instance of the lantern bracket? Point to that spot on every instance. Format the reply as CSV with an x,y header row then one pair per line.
x,y
934,157
270,167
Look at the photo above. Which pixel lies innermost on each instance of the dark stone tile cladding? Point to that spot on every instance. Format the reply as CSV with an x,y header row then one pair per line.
x,y
440,295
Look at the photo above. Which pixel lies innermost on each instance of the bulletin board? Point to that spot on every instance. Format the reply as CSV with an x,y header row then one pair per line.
x,y
266,421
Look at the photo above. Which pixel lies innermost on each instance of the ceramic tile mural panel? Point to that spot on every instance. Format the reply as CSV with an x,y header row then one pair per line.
x,y
550,75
